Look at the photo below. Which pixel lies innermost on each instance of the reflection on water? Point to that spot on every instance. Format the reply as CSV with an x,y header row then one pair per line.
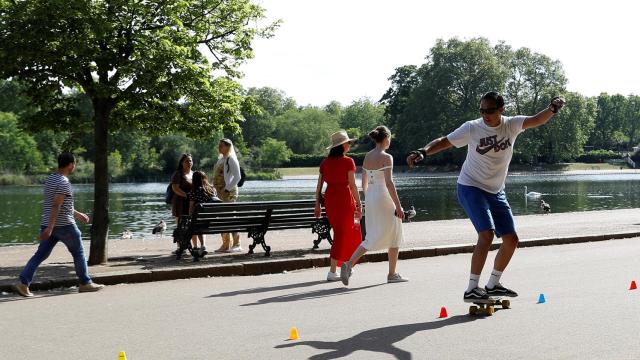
x,y
138,207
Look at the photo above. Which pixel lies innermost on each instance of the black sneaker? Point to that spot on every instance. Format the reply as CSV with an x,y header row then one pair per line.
x,y
476,295
500,290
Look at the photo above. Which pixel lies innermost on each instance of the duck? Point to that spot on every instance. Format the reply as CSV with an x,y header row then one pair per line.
x,y
545,207
126,234
410,214
531,194
159,228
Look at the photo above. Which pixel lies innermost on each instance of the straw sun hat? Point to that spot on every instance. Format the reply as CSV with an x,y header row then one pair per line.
x,y
339,138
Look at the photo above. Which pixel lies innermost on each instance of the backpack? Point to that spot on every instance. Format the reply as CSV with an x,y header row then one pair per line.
x,y
243,176
168,195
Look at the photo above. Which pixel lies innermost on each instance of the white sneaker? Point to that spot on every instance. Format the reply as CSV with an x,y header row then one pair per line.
x,y
345,273
331,276
396,278
90,287
236,249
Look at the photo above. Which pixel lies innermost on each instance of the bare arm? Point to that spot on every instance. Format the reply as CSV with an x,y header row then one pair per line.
x,y
365,182
354,191
545,115
318,194
178,191
538,119
432,148
391,188
53,216
84,218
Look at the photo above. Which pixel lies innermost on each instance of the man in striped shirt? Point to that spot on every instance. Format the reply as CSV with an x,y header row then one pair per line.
x,y
59,224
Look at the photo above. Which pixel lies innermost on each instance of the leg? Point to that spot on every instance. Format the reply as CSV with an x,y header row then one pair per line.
x,y
393,260
44,250
334,265
70,235
508,247
479,257
357,255
225,242
505,228
236,239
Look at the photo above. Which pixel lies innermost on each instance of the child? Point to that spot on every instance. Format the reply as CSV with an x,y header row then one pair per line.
x,y
202,192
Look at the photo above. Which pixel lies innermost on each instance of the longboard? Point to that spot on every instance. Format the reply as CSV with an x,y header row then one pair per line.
x,y
487,308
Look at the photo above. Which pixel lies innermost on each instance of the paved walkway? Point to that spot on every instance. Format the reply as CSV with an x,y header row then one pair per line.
x,y
149,260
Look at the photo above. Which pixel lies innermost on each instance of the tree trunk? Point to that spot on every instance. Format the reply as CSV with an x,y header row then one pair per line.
x,y
100,218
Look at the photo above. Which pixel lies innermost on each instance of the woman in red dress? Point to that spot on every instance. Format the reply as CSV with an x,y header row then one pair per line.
x,y
341,200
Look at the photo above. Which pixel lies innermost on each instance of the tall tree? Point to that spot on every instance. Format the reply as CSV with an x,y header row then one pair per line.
x,y
258,123
363,115
447,90
141,63
609,128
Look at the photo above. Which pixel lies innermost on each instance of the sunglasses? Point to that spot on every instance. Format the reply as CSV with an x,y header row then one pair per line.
x,y
488,111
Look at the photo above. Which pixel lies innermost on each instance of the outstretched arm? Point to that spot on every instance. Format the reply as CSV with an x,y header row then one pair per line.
x,y
431,148
545,115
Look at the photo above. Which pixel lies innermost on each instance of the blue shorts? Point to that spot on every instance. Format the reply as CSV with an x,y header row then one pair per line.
x,y
487,211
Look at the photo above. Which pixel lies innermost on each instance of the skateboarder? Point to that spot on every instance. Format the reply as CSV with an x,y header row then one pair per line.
x,y
480,187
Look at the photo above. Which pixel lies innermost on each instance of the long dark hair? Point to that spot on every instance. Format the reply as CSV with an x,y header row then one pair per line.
x,y
182,158
336,151
200,180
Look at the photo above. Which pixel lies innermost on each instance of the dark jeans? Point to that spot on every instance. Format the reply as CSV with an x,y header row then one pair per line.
x,y
70,236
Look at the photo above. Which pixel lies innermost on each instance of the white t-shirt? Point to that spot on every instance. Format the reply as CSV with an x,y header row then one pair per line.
x,y
489,151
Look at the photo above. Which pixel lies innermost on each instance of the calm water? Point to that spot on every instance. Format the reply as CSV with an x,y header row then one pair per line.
x,y
138,207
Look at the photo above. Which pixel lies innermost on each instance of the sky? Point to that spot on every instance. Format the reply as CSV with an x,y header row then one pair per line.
x,y
345,50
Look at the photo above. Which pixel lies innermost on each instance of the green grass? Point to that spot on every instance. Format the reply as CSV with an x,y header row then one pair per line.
x,y
299,171
569,167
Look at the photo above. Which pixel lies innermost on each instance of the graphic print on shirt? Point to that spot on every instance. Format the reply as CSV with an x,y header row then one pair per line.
x,y
492,142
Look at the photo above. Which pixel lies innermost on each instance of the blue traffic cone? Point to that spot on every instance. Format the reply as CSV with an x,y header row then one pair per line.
x,y
541,299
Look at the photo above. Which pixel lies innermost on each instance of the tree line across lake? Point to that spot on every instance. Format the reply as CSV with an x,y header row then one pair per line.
x,y
423,102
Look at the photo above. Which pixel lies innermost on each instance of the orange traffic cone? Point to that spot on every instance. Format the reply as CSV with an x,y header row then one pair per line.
x,y
633,285
443,312
293,334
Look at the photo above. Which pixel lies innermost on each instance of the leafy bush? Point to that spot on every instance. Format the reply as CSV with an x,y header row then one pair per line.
x,y
598,156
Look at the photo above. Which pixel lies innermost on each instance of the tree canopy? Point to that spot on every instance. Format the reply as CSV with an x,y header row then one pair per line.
x,y
141,64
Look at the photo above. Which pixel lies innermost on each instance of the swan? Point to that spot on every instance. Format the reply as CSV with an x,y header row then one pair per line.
x,y
531,194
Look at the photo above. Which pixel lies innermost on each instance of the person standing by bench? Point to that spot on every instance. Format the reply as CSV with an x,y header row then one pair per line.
x,y
226,175
384,212
181,183
341,200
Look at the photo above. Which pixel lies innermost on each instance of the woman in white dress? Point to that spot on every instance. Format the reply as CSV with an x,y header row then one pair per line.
x,y
383,212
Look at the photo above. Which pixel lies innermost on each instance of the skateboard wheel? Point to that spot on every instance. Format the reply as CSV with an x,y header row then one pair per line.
x,y
473,310
506,304
490,310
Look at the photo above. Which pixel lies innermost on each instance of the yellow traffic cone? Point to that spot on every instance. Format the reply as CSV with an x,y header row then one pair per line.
x,y
293,334
122,356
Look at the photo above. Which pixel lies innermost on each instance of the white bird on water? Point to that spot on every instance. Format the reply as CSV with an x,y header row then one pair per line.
x,y
126,234
160,228
531,194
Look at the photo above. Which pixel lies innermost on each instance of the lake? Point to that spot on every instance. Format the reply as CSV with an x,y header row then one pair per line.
x,y
138,207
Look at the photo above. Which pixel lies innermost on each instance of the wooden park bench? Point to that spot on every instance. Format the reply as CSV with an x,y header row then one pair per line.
x,y
255,218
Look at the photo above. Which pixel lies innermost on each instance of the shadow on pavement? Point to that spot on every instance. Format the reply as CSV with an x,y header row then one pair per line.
x,y
267,289
316,294
379,340
37,295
